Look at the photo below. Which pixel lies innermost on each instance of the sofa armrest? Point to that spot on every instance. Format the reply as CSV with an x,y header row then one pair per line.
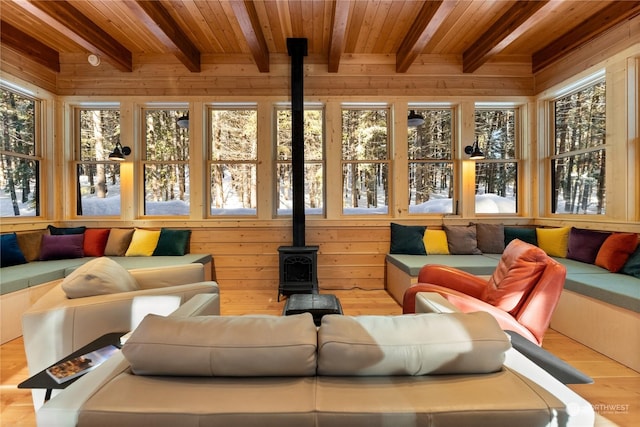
x,y
199,305
452,278
433,302
161,277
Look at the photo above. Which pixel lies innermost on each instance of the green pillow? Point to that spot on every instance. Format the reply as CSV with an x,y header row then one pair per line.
x,y
525,234
632,266
172,242
57,231
407,239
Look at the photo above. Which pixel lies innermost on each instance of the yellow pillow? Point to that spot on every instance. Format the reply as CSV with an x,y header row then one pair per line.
x,y
435,242
143,242
554,241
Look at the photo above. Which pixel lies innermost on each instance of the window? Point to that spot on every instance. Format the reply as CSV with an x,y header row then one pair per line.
x,y
430,162
313,161
497,174
233,161
166,163
97,177
19,156
578,160
365,161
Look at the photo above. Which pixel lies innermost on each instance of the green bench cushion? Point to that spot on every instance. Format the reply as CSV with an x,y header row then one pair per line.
x,y
474,264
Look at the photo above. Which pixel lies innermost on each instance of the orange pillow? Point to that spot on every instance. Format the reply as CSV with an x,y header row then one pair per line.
x,y
95,240
616,250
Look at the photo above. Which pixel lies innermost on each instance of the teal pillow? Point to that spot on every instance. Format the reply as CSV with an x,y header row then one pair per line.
x,y
525,234
10,253
57,231
632,266
407,239
172,242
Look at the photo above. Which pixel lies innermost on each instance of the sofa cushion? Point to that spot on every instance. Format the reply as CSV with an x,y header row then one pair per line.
x,y
118,241
143,242
518,270
10,253
435,242
616,250
407,239
29,242
584,244
462,239
172,242
422,344
95,240
554,241
99,276
490,238
62,246
242,346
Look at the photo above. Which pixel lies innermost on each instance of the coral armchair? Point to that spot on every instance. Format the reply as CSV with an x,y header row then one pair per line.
x,y
521,294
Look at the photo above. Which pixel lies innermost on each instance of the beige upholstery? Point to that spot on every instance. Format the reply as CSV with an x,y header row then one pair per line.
x,y
518,394
56,326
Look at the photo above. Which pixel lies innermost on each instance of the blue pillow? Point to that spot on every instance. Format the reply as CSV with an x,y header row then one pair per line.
x,y
10,253
407,239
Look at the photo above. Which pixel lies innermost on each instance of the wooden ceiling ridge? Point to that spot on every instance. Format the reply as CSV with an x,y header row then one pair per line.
x,y
29,46
247,17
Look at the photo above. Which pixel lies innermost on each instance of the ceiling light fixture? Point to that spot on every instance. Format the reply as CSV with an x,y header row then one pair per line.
x,y
94,60
414,120
119,152
474,151
183,121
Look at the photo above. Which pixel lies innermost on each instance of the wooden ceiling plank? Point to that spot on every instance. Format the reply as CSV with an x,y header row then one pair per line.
x,y
338,33
429,19
66,19
160,22
29,46
588,30
247,17
489,43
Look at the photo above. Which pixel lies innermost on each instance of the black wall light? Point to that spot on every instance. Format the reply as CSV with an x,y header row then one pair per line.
x,y
119,152
183,121
474,151
414,119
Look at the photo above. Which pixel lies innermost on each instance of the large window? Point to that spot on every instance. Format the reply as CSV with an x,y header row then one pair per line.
x,y
365,160
430,162
97,177
578,160
497,174
233,161
313,161
19,156
166,163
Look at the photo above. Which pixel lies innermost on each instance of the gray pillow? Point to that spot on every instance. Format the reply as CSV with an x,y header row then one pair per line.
x,y
462,239
490,238
100,276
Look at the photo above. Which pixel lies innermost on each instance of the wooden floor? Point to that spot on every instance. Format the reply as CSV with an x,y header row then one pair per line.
x,y
615,394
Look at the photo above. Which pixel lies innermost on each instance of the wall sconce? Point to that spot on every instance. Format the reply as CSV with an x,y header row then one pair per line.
x,y
474,151
183,121
119,152
414,120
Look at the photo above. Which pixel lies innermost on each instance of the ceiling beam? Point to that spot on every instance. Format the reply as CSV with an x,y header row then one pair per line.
x,y
247,17
338,33
429,19
160,22
68,20
610,16
512,23
33,48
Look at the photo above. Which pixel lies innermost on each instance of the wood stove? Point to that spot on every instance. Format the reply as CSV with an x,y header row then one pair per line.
x,y
298,263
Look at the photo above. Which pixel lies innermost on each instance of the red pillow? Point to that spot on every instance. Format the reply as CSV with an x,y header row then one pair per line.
x,y
95,240
616,250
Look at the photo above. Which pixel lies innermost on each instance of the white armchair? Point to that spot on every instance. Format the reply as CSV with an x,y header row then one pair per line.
x,y
56,326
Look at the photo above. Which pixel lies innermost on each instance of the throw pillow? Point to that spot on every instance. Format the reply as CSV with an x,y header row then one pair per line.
x,y
632,266
526,234
56,231
435,242
490,238
461,239
584,244
62,246
616,250
143,242
554,241
10,253
30,242
95,240
100,276
407,239
118,241
518,270
172,242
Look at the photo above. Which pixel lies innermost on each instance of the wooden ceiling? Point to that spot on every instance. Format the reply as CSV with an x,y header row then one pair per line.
x,y
127,33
